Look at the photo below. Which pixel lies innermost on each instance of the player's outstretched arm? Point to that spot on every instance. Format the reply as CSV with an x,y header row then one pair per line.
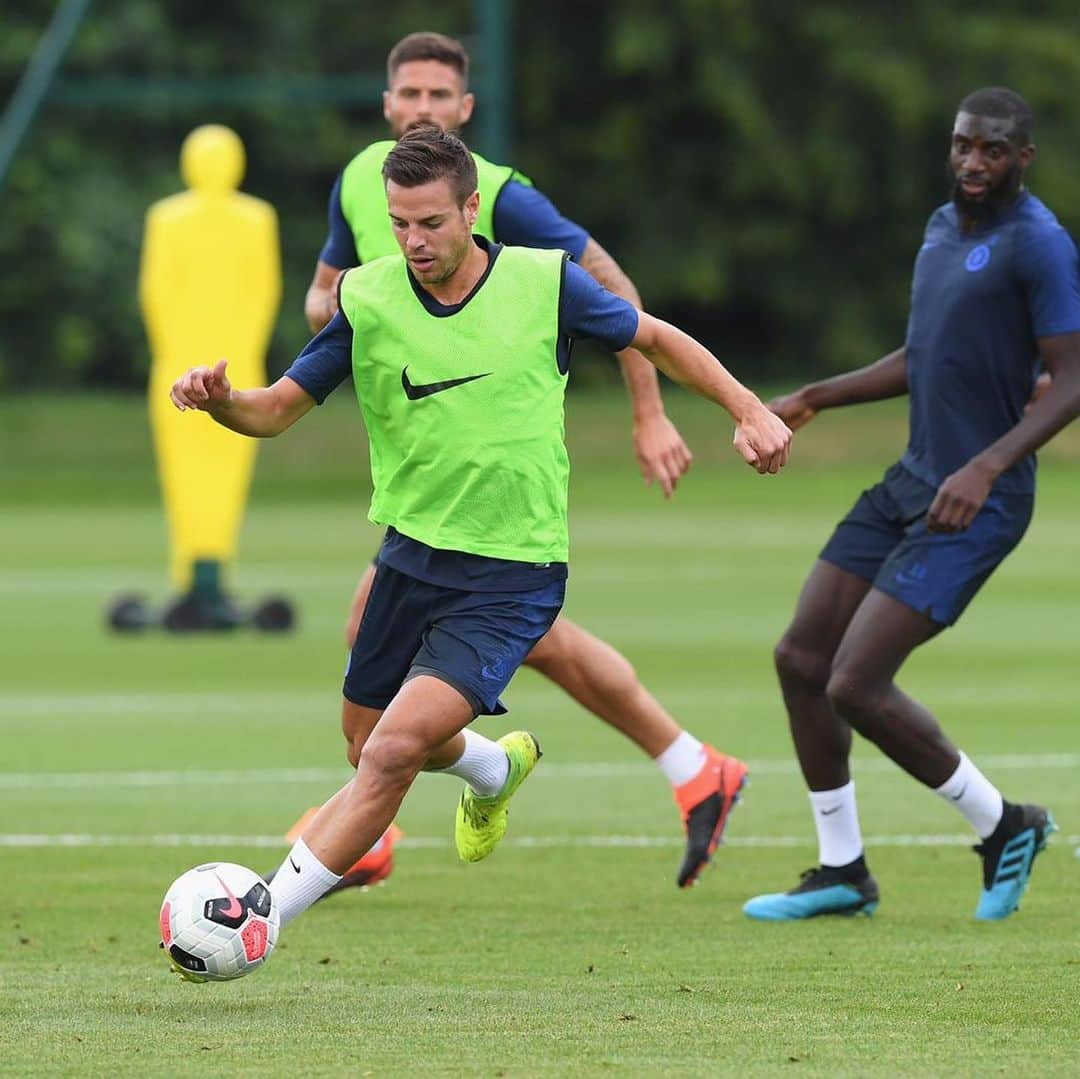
x,y
261,413
761,438
961,495
886,377
661,453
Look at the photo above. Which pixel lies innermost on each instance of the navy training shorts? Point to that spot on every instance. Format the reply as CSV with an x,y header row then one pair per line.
x,y
884,539
473,641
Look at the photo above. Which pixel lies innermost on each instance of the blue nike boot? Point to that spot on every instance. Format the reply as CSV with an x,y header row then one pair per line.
x,y
1008,856
824,889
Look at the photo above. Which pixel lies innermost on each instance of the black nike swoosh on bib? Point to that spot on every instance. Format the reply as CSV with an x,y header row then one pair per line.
x,y
426,389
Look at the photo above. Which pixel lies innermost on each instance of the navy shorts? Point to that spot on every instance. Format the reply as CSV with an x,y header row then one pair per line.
x,y
884,540
473,641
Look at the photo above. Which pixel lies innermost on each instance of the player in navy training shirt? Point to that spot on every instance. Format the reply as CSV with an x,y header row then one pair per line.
x,y
995,288
428,81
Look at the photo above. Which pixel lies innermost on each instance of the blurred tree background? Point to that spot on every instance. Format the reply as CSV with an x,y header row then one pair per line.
x,y
763,169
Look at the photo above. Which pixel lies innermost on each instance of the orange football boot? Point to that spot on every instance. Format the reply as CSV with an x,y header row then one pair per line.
x,y
705,803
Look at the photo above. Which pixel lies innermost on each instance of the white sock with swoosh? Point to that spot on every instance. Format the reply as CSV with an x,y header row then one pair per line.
x,y
968,790
301,880
836,818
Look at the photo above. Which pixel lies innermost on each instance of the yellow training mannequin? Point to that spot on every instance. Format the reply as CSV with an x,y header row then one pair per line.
x,y
209,288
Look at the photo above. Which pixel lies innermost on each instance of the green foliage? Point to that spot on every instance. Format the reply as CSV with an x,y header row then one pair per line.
x,y
763,170
766,169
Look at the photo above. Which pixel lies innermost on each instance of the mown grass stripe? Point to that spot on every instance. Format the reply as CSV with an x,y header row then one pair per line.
x,y
13,781
556,842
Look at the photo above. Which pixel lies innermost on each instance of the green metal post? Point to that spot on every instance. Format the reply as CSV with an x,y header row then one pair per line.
x,y
494,20
37,78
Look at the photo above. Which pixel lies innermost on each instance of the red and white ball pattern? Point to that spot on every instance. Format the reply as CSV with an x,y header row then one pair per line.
x,y
219,921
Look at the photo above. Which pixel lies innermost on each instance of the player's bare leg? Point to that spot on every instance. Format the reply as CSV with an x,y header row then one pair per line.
x,y
841,883
376,864
602,680
589,670
357,723
424,716
881,636
706,782
804,660
837,664
861,691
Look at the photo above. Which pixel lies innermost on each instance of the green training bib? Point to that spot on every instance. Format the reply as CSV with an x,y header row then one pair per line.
x,y
464,411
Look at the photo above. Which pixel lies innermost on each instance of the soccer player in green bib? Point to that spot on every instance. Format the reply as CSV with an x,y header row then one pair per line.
x,y
459,350
427,80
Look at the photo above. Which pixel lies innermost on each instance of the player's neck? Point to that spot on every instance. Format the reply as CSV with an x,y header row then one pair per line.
x,y
463,280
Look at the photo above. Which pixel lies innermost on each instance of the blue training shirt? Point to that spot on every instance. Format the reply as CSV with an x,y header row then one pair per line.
x,y
523,217
979,303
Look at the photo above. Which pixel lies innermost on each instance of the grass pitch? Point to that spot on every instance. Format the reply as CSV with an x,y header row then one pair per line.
x,y
125,761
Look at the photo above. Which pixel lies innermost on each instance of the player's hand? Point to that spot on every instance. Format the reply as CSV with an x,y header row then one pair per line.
x,y
959,498
1042,384
763,440
793,409
202,388
661,453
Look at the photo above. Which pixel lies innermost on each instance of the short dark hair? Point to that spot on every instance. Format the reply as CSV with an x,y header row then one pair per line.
x,y
426,45
1003,104
425,153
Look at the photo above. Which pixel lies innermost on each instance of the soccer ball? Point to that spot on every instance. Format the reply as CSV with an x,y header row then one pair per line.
x,y
218,922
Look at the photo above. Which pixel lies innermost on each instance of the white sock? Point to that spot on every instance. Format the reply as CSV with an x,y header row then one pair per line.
x,y
301,879
484,765
974,795
682,760
836,818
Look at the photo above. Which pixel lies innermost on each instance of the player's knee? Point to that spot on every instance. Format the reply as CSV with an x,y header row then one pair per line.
x,y
853,698
800,667
394,757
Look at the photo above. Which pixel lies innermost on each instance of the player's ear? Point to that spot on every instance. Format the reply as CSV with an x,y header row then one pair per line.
x,y
467,103
472,208
386,105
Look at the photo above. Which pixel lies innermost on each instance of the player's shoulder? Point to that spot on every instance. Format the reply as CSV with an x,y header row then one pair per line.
x,y
941,218
377,270
1035,219
534,264
367,291
520,253
1041,243
372,154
